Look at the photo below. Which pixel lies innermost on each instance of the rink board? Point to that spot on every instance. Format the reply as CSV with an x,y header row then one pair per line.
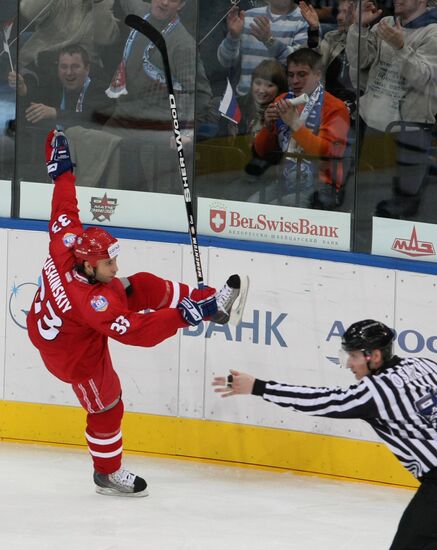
x,y
296,311
211,440
3,304
115,207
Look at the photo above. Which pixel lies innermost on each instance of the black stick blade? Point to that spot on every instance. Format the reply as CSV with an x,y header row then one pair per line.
x,y
142,26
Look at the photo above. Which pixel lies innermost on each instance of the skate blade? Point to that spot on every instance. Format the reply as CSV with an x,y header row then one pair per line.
x,y
114,493
238,308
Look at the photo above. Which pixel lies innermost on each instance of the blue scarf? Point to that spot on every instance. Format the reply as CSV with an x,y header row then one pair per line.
x,y
311,116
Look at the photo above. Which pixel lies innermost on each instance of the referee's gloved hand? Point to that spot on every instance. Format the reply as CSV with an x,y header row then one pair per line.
x,y
194,312
58,159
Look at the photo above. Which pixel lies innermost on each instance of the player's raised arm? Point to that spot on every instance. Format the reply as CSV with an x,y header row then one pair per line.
x,y
64,212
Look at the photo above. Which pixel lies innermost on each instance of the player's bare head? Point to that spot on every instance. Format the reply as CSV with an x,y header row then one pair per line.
x,y
94,247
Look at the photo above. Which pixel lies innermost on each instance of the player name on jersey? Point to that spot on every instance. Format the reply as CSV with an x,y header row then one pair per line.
x,y
55,283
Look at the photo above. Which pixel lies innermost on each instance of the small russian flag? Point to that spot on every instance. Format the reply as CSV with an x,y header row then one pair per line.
x,y
229,107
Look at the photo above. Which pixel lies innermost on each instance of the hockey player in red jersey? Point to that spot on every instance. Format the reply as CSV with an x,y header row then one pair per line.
x,y
81,303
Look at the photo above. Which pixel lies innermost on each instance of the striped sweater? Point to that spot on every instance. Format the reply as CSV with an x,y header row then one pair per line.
x,y
289,33
391,401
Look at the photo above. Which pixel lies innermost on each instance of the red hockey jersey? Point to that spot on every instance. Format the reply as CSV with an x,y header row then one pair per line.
x,y
70,319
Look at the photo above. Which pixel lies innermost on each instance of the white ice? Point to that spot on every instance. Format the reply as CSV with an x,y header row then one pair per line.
x,y
47,502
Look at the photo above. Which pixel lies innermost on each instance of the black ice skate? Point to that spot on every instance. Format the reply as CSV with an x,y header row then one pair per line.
x,y
121,483
228,308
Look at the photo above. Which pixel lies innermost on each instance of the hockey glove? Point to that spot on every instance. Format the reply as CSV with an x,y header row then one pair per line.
x,y
58,157
205,297
194,312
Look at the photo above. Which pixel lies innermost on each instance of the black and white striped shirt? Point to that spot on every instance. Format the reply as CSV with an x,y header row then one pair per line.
x,y
398,401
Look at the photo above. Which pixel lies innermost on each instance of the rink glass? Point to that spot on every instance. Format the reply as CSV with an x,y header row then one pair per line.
x,y
128,171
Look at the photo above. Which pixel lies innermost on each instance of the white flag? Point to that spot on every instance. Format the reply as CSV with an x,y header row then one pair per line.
x,y
7,28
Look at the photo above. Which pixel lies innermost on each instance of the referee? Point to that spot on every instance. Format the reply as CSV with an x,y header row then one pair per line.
x,y
397,397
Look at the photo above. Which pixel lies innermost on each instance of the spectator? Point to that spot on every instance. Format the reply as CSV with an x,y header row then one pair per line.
x,y
141,115
76,97
77,102
271,32
333,51
59,23
211,31
400,55
327,13
268,81
337,78
318,129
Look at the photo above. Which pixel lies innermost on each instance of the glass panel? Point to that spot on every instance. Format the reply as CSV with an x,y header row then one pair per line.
x,y
283,174
8,63
268,169
397,109
105,85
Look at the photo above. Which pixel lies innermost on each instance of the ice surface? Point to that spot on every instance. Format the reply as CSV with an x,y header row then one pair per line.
x,y
47,502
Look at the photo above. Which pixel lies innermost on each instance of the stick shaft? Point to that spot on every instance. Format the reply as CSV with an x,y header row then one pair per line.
x,y
155,36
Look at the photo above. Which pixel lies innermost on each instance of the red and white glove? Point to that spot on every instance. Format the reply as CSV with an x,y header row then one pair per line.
x,y
199,306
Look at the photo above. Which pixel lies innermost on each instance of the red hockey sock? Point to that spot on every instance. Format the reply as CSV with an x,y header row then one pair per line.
x,y
104,440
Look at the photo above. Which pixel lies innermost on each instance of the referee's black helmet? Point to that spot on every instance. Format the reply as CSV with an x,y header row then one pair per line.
x,y
368,335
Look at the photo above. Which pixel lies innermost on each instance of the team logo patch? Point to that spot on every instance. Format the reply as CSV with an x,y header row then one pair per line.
x,y
69,239
99,303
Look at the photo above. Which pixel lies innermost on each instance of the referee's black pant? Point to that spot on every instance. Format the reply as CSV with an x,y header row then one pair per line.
x,y
418,526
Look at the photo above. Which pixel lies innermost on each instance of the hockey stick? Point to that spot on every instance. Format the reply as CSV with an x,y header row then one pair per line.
x,y
145,28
